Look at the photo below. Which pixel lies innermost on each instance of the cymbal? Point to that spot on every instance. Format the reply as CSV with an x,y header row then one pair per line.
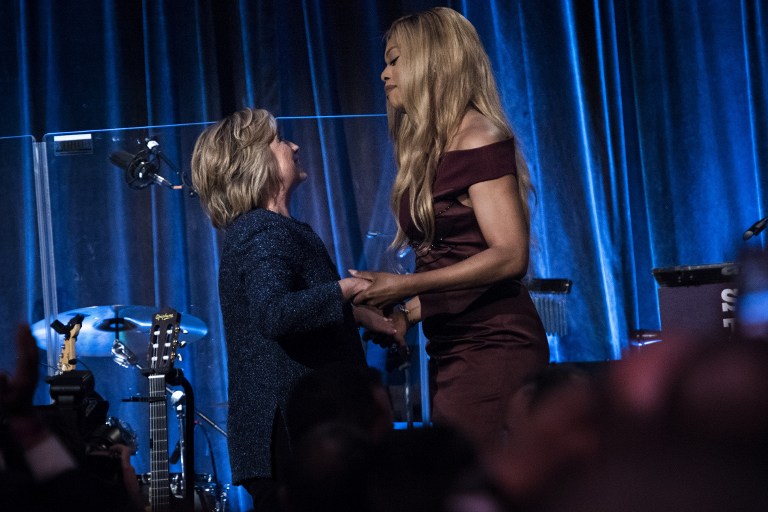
x,y
103,325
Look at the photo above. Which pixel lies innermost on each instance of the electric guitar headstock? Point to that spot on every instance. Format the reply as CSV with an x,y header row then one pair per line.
x,y
67,358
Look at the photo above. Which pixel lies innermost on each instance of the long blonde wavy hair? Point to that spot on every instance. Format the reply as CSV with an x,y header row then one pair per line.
x,y
233,168
445,71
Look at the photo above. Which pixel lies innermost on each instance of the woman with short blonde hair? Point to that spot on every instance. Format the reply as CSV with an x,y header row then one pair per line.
x,y
233,167
286,311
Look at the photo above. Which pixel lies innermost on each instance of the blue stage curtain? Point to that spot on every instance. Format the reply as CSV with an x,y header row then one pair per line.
x,y
644,123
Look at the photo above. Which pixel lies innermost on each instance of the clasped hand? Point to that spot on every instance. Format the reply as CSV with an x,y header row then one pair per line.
x,y
385,289
382,324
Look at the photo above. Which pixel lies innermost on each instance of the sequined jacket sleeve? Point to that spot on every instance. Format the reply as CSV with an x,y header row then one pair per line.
x,y
287,277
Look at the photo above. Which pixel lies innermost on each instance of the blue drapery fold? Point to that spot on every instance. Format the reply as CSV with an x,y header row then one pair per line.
x,y
643,123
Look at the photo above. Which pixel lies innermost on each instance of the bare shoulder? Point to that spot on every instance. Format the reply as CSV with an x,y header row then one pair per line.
x,y
475,131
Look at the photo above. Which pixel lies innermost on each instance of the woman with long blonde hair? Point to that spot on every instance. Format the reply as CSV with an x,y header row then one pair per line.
x,y
461,201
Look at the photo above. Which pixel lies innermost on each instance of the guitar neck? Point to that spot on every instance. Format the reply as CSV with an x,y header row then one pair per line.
x,y
67,355
159,489
163,342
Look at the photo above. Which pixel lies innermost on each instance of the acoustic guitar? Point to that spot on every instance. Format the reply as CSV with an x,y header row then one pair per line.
x,y
163,344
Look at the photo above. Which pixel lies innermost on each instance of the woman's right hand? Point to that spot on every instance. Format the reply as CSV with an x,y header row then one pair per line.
x,y
384,290
351,286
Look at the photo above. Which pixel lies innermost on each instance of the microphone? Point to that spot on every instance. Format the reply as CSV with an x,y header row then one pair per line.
x,y
755,229
140,172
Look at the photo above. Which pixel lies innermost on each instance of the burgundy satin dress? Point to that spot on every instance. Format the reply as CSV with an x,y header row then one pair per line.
x,y
484,342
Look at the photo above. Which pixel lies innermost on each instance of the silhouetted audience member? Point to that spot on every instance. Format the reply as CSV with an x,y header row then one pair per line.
x,y
340,393
37,472
680,426
434,469
551,430
334,415
686,429
328,470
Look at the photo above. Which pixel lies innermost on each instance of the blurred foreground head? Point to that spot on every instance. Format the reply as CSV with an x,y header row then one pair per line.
x,y
685,428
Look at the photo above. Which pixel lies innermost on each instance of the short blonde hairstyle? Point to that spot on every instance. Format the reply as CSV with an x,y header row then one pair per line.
x,y
445,71
233,168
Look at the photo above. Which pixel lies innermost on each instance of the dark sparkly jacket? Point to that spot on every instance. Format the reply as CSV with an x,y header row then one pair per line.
x,y
283,315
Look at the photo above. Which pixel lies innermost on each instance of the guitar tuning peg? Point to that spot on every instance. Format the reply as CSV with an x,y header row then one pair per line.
x,y
178,356
182,344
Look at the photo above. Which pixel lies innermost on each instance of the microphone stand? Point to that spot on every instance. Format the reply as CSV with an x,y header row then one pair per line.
x,y
177,378
154,148
179,405
212,423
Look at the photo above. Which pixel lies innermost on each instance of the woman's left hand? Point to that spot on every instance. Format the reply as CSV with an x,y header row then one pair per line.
x,y
385,289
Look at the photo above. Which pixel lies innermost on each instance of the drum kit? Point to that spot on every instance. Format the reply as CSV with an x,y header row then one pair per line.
x,y
119,331
122,332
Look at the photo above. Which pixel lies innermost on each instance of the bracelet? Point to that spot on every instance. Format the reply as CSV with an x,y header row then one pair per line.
x,y
407,313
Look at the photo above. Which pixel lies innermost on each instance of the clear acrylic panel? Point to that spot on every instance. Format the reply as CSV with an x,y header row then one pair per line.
x,y
123,242
122,246
21,285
